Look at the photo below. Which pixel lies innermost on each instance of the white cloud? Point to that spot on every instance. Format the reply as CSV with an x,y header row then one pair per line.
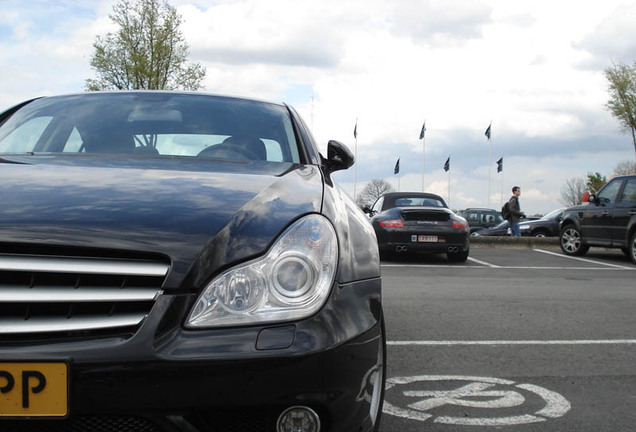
x,y
532,68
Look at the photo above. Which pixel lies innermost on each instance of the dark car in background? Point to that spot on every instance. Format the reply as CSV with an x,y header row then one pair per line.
x,y
502,229
609,220
419,222
480,218
547,226
180,261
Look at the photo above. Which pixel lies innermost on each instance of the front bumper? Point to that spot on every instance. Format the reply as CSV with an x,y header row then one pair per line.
x,y
221,379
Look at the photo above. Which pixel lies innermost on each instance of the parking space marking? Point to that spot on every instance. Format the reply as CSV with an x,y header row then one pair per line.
x,y
427,396
586,260
515,342
483,263
486,266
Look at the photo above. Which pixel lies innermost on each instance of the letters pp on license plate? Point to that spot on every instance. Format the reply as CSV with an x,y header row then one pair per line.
x,y
30,389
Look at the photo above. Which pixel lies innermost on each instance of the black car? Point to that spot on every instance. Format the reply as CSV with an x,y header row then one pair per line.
x,y
502,229
609,220
415,221
181,261
547,226
480,218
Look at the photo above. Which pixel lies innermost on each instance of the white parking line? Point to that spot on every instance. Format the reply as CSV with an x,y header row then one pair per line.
x,y
484,263
583,259
516,342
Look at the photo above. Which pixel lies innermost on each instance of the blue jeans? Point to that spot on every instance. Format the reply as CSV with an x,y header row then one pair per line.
x,y
514,229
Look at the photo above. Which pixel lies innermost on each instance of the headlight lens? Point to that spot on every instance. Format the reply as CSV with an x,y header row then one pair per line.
x,y
291,281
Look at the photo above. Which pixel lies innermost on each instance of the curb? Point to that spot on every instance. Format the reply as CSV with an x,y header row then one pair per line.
x,y
498,241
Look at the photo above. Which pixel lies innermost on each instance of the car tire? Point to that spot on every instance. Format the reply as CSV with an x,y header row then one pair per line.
x,y
379,381
571,241
631,247
539,233
458,257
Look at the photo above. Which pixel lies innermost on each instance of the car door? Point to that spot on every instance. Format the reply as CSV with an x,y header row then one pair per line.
x,y
624,211
597,220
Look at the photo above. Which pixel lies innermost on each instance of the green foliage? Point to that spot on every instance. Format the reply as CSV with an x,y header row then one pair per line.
x,y
595,181
147,52
622,91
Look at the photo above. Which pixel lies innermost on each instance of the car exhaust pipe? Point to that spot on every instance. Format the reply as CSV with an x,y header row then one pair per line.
x,y
401,248
453,249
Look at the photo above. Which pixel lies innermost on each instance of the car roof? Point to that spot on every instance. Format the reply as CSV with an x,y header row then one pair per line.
x,y
160,92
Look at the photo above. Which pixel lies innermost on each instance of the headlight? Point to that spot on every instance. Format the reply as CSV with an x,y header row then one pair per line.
x,y
291,281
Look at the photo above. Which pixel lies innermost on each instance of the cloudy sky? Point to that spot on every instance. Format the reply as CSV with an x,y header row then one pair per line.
x,y
534,69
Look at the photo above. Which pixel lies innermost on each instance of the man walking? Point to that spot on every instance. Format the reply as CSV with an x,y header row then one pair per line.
x,y
515,212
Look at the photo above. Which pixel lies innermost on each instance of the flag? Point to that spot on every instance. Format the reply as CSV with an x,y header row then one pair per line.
x,y
396,170
423,130
447,164
355,131
488,131
500,165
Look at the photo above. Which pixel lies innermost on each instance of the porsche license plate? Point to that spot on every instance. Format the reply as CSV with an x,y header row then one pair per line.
x,y
33,389
426,239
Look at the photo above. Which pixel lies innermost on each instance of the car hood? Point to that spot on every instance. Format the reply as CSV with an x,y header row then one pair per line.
x,y
201,214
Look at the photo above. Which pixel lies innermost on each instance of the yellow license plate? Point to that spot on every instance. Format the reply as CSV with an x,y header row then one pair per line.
x,y
33,389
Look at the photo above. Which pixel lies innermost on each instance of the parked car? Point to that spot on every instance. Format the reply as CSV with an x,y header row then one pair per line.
x,y
547,226
609,220
502,229
480,218
180,261
416,222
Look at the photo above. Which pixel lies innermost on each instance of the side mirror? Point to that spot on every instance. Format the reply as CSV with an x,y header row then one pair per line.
x,y
339,157
593,199
367,210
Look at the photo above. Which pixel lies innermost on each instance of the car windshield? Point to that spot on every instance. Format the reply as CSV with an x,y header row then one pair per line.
x,y
152,124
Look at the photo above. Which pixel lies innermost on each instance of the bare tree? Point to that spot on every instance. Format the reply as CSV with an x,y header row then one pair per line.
x,y
148,51
622,101
372,191
572,191
625,167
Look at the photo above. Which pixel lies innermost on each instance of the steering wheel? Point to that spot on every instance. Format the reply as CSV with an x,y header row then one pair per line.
x,y
225,151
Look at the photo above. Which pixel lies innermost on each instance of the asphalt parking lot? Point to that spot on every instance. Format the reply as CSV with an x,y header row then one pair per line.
x,y
515,339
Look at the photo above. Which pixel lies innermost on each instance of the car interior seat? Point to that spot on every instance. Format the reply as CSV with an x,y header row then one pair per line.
x,y
248,147
111,143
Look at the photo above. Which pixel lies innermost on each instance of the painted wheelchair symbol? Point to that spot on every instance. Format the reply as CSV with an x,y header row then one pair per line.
x,y
471,392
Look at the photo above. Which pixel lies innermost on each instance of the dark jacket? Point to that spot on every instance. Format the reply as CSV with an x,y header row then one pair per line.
x,y
515,211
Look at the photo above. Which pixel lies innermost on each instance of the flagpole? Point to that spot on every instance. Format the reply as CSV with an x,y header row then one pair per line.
x,y
355,156
423,136
449,182
489,160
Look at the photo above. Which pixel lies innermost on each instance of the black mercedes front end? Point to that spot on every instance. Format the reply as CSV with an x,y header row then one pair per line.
x,y
146,288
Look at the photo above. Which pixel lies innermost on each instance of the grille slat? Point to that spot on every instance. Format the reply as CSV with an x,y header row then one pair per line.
x,y
75,295
51,294
82,265
63,324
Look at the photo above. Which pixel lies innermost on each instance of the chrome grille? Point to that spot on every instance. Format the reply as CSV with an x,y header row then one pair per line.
x,y
52,294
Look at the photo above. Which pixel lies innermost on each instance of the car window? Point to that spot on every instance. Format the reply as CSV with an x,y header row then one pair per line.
x,y
153,125
629,193
378,205
418,202
472,217
24,137
609,192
